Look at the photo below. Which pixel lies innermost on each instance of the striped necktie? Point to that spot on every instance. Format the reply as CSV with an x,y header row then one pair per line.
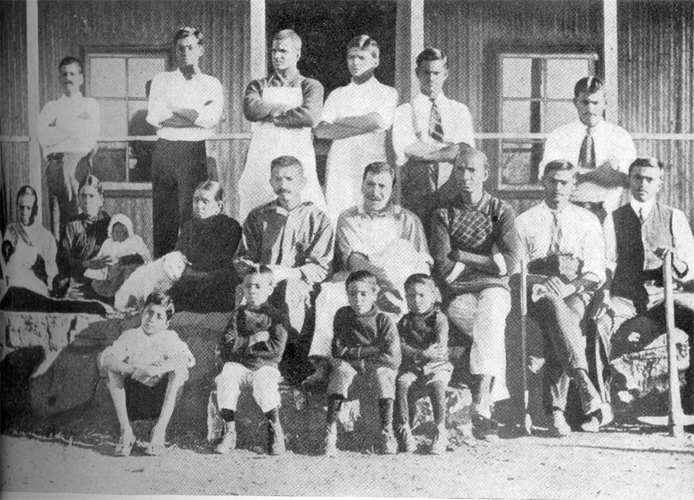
x,y
435,128
556,235
586,158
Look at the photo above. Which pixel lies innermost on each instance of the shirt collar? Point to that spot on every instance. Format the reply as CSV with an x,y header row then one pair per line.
x,y
391,210
637,206
440,99
288,81
480,205
368,83
274,206
75,98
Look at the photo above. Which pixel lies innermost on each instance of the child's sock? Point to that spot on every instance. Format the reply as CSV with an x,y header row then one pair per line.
x,y
386,410
227,415
437,394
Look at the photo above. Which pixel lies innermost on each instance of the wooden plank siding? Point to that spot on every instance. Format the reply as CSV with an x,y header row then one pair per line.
x,y
13,103
67,26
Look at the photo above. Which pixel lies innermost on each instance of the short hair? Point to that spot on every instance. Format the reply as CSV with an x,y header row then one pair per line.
x,y
647,161
288,34
378,167
261,270
29,191
365,42
159,298
213,186
431,54
286,161
560,166
588,85
185,33
93,181
67,61
466,153
420,279
362,275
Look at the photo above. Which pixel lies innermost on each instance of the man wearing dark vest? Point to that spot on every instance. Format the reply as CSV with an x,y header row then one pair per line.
x,y
638,235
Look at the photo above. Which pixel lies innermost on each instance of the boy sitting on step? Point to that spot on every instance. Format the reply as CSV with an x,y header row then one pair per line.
x,y
251,350
366,342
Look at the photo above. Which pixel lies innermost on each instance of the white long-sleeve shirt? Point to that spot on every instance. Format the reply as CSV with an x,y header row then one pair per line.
x,y
202,93
411,124
69,125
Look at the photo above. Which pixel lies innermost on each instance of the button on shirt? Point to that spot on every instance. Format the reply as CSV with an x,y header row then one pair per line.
x,y
612,143
69,125
581,236
170,89
141,350
411,123
681,233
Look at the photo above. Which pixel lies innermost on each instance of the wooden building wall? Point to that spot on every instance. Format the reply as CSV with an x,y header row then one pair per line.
x,y
66,26
13,102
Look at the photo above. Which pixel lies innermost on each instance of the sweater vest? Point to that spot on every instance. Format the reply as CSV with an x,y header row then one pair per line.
x,y
636,245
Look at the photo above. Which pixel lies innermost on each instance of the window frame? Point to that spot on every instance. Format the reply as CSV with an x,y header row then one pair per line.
x,y
124,188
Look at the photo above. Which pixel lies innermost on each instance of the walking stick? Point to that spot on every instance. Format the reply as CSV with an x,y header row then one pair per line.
x,y
676,414
527,422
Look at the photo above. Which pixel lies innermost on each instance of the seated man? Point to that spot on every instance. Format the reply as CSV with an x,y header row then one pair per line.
x,y
467,236
565,249
295,240
637,238
380,237
147,367
28,249
366,342
208,240
251,350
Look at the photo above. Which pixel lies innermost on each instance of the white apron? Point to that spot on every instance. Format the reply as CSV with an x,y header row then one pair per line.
x,y
19,269
267,143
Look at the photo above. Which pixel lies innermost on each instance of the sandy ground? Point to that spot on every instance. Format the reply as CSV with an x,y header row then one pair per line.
x,y
630,464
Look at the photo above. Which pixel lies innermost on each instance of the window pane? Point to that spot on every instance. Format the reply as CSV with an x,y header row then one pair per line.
x,y
109,162
562,75
516,77
141,70
515,116
140,151
558,113
107,77
113,118
519,163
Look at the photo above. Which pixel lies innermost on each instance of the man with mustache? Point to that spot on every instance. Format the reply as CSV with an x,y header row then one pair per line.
x,y
473,244
185,105
68,130
376,236
602,151
295,239
638,235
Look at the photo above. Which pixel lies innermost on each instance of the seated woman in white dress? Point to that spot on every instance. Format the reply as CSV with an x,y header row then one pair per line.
x,y
28,249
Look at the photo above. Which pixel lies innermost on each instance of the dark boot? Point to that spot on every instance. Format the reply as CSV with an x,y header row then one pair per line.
x,y
390,444
318,380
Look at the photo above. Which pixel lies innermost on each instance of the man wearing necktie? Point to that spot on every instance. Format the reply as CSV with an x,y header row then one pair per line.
x,y
638,235
602,151
564,246
378,236
426,132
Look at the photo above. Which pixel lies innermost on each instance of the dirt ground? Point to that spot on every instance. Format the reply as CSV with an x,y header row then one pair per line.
x,y
624,462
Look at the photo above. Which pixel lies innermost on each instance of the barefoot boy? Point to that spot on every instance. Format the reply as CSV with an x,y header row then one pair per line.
x,y
366,342
424,340
251,350
147,367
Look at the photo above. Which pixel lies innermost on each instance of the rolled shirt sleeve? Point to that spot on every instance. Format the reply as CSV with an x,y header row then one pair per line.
x,y
157,107
404,133
210,114
684,243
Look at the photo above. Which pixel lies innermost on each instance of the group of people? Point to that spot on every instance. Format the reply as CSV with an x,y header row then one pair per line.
x,y
324,289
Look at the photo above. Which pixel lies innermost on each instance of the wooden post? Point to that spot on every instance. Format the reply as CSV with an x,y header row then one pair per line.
x,y
409,42
610,36
527,420
258,41
676,413
33,108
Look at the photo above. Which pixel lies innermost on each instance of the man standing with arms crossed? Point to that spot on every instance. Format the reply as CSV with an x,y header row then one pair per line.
x,y
68,130
185,105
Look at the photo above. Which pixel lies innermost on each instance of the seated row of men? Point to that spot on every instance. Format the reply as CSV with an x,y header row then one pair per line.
x,y
477,243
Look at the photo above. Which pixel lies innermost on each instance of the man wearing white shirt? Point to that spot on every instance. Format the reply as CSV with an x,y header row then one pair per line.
x,y
68,130
356,118
564,246
602,151
185,105
424,132
638,235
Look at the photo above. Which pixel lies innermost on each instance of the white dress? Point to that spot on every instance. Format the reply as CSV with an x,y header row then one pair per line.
x,y
267,143
348,157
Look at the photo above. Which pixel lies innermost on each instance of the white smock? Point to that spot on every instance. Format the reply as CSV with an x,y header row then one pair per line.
x,y
270,141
